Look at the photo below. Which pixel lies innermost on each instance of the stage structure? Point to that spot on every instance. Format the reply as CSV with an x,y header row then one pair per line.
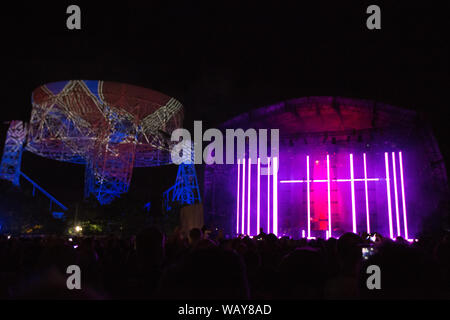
x,y
343,165
108,127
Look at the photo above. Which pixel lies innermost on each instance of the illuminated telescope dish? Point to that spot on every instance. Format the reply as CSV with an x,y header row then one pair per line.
x,y
110,127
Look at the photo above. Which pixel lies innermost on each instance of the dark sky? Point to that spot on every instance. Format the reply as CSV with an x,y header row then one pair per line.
x,y
220,60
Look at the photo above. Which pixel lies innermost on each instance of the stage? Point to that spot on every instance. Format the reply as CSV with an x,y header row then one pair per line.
x,y
343,165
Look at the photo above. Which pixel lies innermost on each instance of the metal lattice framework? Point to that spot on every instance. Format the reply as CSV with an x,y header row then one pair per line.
x,y
109,127
185,190
12,152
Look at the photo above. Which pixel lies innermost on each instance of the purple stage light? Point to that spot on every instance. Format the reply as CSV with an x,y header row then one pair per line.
x,y
268,195
258,199
237,202
367,194
388,190
275,195
357,180
329,195
397,213
352,181
333,180
243,195
248,197
251,214
308,197
405,223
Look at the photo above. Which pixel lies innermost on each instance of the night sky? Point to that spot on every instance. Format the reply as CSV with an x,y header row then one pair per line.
x,y
222,60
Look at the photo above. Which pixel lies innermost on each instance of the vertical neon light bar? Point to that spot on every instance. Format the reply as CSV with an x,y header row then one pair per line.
x,y
367,194
248,197
388,190
275,196
258,196
352,181
329,195
268,195
237,203
405,222
243,196
308,197
397,213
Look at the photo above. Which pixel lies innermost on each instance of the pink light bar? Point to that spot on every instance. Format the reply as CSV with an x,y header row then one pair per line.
x,y
388,190
275,196
237,204
248,197
367,194
333,180
405,222
258,196
352,181
243,195
329,196
308,197
268,195
303,233
357,180
397,213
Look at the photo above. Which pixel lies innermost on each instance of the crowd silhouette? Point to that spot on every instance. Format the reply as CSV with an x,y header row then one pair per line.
x,y
200,266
